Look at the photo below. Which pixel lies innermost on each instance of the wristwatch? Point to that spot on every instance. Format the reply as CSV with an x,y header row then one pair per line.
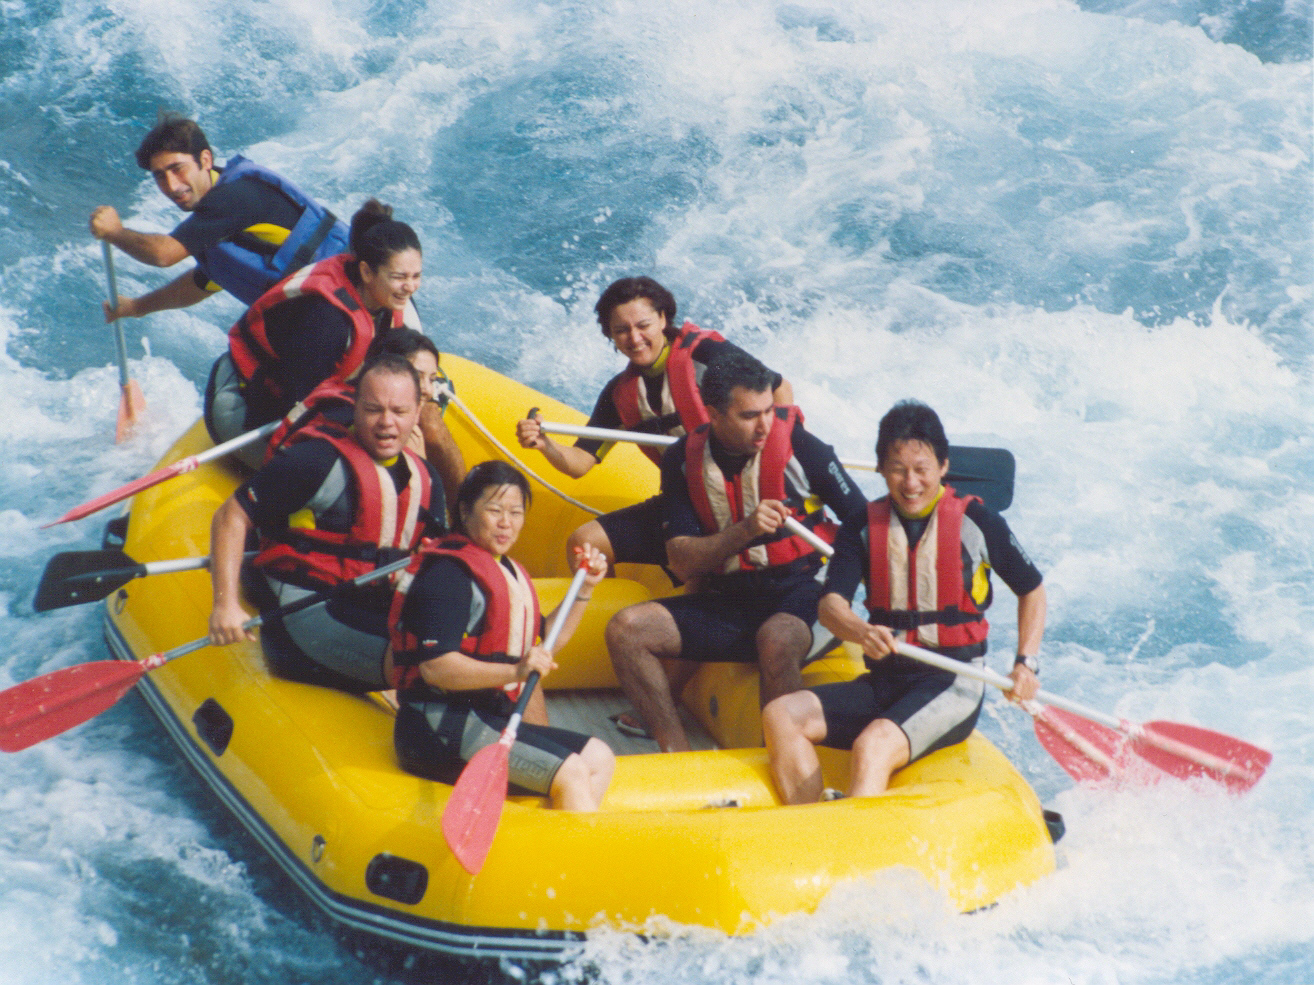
x,y
1029,661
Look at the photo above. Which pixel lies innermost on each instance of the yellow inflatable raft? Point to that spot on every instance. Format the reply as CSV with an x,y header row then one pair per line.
x,y
698,838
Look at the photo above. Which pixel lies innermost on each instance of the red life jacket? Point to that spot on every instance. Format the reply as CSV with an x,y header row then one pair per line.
x,y
333,397
248,339
510,623
387,525
921,590
721,502
679,390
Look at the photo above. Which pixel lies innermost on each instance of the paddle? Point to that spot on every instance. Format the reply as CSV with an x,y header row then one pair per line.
x,y
472,814
53,703
180,467
1093,746
132,403
77,577
984,472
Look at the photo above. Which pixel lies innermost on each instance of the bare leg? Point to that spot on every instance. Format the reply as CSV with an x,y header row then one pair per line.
x,y
601,762
592,533
640,638
792,725
878,751
782,643
571,789
582,780
536,712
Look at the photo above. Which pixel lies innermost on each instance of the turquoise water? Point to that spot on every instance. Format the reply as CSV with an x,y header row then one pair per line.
x,y
1082,231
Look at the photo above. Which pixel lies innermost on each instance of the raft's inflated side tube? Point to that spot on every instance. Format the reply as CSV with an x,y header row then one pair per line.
x,y
311,773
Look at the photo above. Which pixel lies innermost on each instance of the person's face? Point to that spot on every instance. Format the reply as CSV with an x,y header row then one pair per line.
x,y
181,178
496,519
746,422
386,413
427,366
913,475
393,283
636,329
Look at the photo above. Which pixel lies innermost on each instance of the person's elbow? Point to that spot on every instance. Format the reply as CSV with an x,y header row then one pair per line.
x,y
831,610
682,559
164,251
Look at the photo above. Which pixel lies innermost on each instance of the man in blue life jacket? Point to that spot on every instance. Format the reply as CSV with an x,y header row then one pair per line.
x,y
248,227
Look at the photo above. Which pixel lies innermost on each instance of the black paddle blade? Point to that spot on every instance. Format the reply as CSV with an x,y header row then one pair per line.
x,y
75,577
984,472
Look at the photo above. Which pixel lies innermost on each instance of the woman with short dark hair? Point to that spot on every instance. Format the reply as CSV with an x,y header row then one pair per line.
x,y
464,623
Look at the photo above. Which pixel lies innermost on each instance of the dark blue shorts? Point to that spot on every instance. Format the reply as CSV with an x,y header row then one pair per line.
x,y
636,533
720,623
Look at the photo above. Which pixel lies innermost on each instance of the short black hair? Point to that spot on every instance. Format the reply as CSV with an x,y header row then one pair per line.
x,y
375,235
404,342
629,289
733,368
392,364
484,476
173,134
911,420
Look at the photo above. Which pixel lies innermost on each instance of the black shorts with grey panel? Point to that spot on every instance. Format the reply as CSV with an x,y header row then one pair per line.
x,y
435,739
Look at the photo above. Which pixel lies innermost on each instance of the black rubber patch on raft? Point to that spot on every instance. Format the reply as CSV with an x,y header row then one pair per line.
x,y
213,725
396,878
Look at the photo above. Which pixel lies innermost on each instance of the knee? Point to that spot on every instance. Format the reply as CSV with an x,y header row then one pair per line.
x,y
572,777
882,742
632,624
783,638
789,717
599,759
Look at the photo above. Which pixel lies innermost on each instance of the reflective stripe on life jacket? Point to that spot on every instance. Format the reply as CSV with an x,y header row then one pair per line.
x,y
248,339
682,407
721,502
334,399
923,590
511,613
385,525
247,273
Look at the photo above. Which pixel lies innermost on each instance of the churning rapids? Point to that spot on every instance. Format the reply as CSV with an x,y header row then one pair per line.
x,y
1081,230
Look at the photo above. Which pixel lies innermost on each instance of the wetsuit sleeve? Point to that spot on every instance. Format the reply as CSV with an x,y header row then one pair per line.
x,y
708,350
604,415
848,568
679,518
1004,554
437,610
827,476
309,336
286,484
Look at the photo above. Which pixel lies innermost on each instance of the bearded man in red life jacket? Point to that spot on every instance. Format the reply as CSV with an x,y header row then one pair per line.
x,y
334,504
726,491
925,554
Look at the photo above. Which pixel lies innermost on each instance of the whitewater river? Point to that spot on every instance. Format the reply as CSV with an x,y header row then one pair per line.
x,y
1079,230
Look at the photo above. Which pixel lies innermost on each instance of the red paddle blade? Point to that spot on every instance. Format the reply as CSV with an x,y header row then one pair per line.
x,y
1187,752
123,492
475,808
1087,751
53,703
132,405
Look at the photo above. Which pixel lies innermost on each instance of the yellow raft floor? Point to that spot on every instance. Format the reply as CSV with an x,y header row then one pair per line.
x,y
311,772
